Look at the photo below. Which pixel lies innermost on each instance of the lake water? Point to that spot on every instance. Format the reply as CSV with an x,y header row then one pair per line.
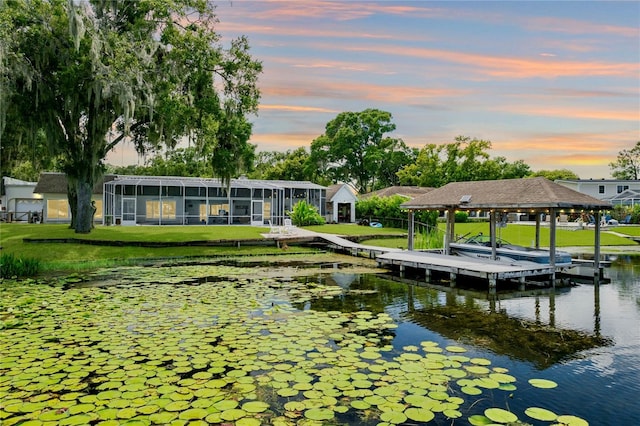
x,y
600,384
186,342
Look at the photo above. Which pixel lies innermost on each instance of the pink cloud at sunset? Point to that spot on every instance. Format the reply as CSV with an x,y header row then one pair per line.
x,y
556,86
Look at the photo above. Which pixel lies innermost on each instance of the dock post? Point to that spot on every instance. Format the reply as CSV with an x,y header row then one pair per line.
x,y
596,246
427,274
522,283
452,278
493,283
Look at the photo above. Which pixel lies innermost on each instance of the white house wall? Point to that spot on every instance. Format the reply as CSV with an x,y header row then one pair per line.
x,y
600,189
343,196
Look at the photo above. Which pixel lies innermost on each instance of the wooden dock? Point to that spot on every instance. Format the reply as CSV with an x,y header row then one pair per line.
x,y
455,266
430,262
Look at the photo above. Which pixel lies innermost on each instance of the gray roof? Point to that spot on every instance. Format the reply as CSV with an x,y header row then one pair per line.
x,y
627,194
510,194
333,190
212,182
405,191
56,183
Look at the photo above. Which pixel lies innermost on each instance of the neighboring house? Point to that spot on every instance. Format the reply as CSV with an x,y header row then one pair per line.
x,y
341,204
406,191
52,187
170,200
18,202
628,197
604,189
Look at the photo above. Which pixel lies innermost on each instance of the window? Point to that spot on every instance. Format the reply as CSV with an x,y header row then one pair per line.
x,y
622,188
98,204
218,209
601,189
196,191
168,209
57,209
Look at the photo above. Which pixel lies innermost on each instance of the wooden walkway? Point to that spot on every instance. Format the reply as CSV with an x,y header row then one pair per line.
x,y
429,262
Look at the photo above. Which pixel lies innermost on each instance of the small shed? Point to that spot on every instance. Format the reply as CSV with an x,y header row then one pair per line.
x,y
535,196
341,204
17,200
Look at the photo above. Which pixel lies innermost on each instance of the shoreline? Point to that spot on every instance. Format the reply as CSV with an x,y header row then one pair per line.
x,y
634,250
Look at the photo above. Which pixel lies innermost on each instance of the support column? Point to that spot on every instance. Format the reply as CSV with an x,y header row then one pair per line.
x,y
492,234
552,244
448,235
537,242
411,229
596,248
493,283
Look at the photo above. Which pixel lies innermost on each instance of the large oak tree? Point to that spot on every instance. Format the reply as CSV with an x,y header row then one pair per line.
x,y
149,71
465,159
355,149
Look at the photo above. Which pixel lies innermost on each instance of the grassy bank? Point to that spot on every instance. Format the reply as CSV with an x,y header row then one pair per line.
x,y
525,235
72,256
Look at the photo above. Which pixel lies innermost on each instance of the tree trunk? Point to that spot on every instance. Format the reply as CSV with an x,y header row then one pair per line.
x,y
84,219
72,198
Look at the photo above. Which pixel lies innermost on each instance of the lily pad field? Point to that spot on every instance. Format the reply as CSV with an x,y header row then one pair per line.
x,y
229,345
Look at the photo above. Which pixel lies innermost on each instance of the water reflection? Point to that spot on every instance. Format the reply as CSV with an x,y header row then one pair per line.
x,y
535,341
585,337
469,316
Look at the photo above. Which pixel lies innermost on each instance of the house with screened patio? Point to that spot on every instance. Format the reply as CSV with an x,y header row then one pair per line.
x,y
171,200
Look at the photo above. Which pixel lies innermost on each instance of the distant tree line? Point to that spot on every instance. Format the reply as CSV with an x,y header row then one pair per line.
x,y
354,149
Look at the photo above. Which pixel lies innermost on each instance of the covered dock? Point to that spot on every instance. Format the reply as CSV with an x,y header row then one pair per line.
x,y
532,196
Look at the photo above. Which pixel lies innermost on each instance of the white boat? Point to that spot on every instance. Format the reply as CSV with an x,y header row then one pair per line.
x,y
479,246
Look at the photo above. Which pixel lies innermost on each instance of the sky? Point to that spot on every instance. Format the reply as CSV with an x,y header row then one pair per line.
x,y
553,83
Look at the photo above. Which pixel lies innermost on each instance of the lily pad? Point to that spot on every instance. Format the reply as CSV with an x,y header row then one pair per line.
x,y
319,414
541,414
393,417
419,414
500,416
255,406
543,383
572,420
193,414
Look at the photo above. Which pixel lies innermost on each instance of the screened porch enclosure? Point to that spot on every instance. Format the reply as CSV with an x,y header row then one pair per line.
x,y
138,200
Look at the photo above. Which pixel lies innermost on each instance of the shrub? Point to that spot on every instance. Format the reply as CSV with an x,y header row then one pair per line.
x,y
304,214
387,211
461,217
11,266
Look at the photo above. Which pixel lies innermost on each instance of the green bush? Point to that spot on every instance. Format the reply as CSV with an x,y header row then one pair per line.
x,y
461,217
387,211
11,266
304,214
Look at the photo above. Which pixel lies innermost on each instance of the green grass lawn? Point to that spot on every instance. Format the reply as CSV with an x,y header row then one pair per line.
x,y
633,230
524,235
73,256
56,256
